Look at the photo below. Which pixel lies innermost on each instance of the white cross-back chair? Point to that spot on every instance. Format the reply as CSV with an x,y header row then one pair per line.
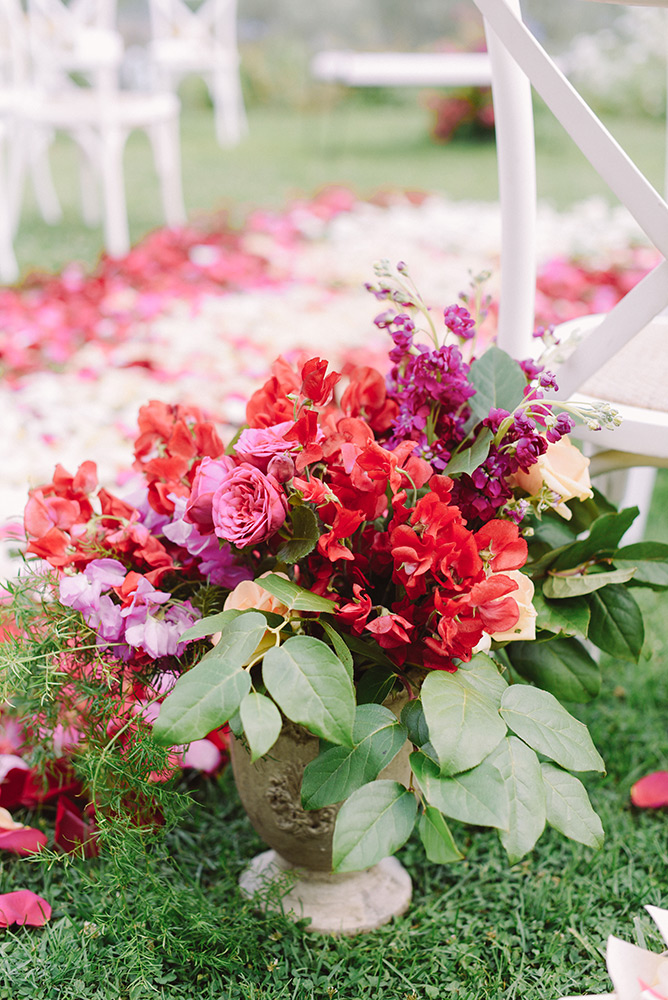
x,y
621,357
201,39
76,42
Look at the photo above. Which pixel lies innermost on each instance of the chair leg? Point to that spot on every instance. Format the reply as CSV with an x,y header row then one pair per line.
x,y
90,204
229,111
167,155
40,173
9,270
115,217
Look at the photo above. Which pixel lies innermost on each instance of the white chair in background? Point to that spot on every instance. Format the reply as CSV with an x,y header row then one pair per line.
x,y
513,120
622,357
73,41
201,39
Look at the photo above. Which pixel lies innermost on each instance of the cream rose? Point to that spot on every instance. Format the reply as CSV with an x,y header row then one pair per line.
x,y
564,470
525,626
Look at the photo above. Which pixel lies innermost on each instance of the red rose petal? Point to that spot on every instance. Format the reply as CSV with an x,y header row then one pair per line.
x,y
23,907
24,840
651,792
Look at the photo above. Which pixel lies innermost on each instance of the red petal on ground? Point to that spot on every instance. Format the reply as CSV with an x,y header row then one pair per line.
x,y
23,907
73,830
651,792
12,786
25,840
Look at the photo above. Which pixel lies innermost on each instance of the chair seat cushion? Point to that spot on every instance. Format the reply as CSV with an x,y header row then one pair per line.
x,y
638,374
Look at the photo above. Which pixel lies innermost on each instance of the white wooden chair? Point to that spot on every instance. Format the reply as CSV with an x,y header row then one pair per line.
x,y
622,357
201,39
78,38
513,118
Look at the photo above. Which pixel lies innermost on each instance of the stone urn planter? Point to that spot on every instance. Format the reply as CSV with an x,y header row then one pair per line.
x,y
300,859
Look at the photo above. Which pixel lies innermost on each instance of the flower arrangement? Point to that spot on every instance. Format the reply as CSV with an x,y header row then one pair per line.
x,y
430,530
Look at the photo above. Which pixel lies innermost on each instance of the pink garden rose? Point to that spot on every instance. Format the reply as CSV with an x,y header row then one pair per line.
x,y
248,506
258,445
209,476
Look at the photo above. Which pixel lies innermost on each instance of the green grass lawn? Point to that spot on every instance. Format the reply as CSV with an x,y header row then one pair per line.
x,y
173,926
288,154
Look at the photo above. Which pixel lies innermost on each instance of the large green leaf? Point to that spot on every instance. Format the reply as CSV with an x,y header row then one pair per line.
x,y
616,623
464,725
369,651
499,382
374,685
413,718
478,796
537,718
438,842
603,539
519,767
482,674
651,558
469,459
305,535
295,598
307,680
568,615
375,821
574,586
340,647
568,807
210,625
335,774
261,722
561,666
207,695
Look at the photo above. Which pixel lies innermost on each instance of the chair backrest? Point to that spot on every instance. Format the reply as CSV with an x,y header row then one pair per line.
x,y
210,20
76,37
13,45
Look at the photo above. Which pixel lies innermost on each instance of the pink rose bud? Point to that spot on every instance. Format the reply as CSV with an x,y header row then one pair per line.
x,y
282,468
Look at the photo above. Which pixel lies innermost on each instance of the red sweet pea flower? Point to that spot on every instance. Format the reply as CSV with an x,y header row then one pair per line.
x,y
345,524
391,630
366,397
355,613
501,546
23,907
270,405
317,386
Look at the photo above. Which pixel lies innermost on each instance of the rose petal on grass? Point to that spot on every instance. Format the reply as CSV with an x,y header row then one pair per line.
x,y
23,841
651,792
23,907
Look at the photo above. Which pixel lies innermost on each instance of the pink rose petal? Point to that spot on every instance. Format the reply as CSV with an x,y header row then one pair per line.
x,y
23,907
651,792
26,840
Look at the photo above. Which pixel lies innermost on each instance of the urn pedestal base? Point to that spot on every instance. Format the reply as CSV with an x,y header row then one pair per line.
x,y
347,903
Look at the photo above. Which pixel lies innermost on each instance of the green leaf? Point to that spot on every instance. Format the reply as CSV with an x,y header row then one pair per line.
x,y
438,842
339,771
413,718
369,651
469,459
374,685
603,539
261,721
482,674
207,695
477,796
561,666
312,686
499,382
651,558
340,647
295,598
573,586
537,718
519,767
305,535
375,821
205,627
464,725
568,807
616,623
568,615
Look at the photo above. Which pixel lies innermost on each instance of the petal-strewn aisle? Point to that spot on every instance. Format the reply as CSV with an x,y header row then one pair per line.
x,y
198,316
